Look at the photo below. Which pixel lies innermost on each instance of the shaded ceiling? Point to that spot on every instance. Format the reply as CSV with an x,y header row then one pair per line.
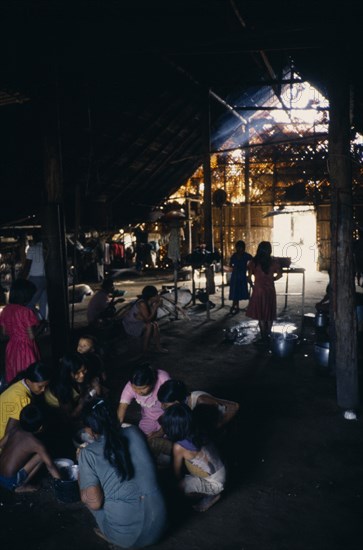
x,y
133,81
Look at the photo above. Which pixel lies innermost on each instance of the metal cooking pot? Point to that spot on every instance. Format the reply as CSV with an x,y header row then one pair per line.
x,y
283,345
321,320
321,354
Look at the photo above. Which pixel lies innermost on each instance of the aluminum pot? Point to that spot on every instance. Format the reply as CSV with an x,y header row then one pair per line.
x,y
321,320
321,354
283,345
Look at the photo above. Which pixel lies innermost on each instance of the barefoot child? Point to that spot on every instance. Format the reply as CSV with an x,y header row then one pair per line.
x,y
22,454
193,453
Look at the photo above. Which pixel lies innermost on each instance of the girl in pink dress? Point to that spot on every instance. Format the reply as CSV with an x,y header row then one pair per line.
x,y
263,271
143,387
19,323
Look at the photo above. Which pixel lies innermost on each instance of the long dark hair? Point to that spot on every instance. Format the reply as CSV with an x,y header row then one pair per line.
x,y
263,256
62,385
35,372
178,423
98,415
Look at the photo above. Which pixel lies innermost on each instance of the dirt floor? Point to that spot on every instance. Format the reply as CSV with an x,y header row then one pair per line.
x,y
295,465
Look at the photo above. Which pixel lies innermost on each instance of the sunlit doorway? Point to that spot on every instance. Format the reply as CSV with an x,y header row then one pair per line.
x,y
294,236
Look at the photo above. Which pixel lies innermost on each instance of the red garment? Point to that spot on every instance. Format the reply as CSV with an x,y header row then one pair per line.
x,y
21,350
262,304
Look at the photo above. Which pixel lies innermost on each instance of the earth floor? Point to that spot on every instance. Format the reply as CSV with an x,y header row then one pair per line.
x,y
295,465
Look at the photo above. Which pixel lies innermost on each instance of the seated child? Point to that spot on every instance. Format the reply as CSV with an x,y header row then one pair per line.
x,y
87,346
195,454
22,454
143,387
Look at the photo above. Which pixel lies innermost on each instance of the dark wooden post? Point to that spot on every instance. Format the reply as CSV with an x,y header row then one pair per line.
x,y
207,196
342,308
54,229
207,202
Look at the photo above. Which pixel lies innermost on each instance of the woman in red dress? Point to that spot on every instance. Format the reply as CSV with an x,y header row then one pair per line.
x,y
263,271
19,323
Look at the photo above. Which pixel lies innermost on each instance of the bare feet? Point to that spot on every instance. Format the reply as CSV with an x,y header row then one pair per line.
x,y
206,502
27,489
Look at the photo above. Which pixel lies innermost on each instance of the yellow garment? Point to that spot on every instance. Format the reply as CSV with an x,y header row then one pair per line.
x,y
12,401
52,400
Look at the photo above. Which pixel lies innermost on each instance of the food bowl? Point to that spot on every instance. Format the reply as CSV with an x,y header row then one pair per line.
x,y
66,489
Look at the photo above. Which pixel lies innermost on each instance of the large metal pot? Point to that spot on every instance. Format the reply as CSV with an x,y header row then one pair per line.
x,y
321,320
283,345
321,354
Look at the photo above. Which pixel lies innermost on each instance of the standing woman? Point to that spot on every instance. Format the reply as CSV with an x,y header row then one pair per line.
x,y
263,271
20,324
118,482
238,289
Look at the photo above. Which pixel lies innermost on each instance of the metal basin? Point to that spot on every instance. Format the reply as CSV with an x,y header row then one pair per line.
x,y
283,345
321,354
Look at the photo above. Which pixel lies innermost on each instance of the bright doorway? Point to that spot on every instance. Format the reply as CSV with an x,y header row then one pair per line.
x,y
294,236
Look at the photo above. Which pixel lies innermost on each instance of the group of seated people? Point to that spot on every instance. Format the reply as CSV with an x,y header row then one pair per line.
x,y
118,464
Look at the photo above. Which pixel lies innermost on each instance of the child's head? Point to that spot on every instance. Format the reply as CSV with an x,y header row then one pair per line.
x,y
86,344
73,368
149,292
108,285
171,392
31,419
143,379
177,422
21,292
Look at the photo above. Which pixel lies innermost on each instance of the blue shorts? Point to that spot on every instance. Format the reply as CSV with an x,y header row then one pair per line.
x,y
11,483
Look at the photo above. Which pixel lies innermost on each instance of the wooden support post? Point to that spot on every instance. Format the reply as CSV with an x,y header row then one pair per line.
x,y
54,230
207,202
343,335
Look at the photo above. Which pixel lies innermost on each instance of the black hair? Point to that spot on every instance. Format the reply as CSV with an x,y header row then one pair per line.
x,y
178,423
98,415
172,390
144,375
241,244
31,418
148,292
21,292
263,256
107,284
62,386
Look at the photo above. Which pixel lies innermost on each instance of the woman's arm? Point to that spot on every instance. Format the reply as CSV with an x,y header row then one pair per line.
x,y
178,460
121,411
145,314
227,409
277,271
92,497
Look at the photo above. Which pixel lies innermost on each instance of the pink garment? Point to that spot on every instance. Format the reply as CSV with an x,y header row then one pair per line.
x,y
262,304
150,406
21,350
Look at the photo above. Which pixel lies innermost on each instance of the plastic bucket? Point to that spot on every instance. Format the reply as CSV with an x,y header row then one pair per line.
x,y
321,354
66,489
283,345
